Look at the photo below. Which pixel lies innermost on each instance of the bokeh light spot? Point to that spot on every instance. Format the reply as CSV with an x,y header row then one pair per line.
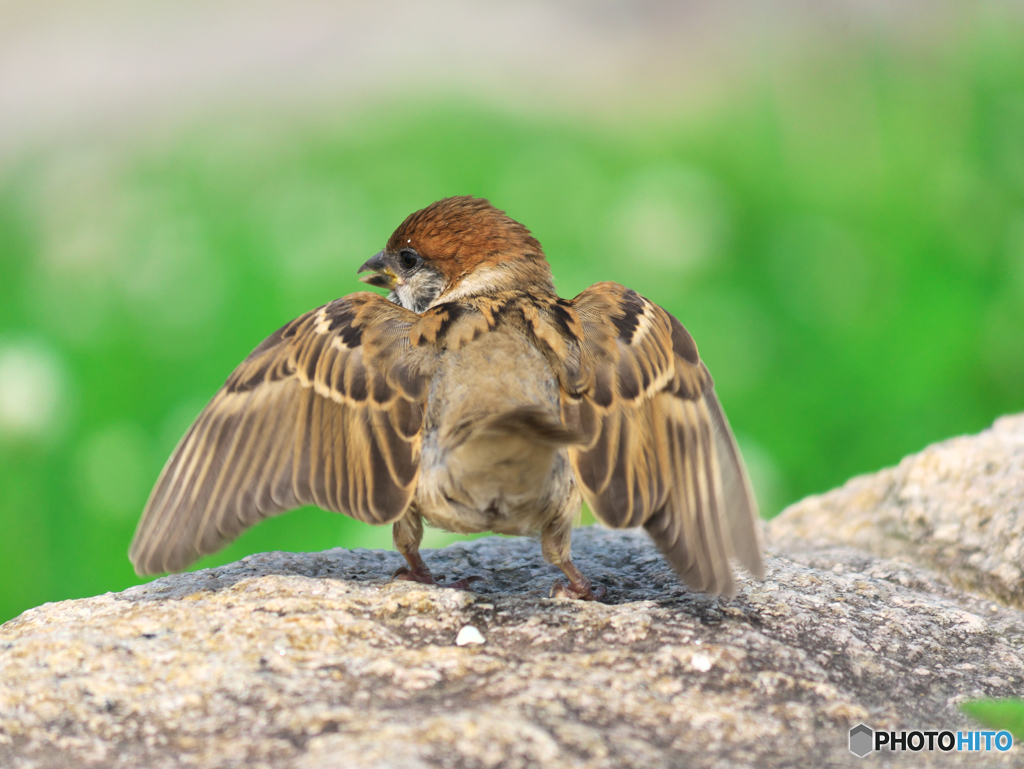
x,y
673,218
33,389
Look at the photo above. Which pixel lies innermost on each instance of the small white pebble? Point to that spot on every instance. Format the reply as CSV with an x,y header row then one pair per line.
x,y
701,662
469,635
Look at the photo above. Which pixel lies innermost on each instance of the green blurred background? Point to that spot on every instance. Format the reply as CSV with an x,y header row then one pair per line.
x,y
831,200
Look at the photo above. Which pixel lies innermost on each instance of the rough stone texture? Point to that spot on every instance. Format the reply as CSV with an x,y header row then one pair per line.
x,y
316,660
957,508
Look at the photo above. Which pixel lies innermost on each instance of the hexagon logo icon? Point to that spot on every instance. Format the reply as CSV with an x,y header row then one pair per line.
x,y
861,739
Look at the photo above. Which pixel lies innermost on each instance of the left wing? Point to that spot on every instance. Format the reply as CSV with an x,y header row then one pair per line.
x,y
325,411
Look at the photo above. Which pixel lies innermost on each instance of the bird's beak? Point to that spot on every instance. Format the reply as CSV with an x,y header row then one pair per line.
x,y
382,276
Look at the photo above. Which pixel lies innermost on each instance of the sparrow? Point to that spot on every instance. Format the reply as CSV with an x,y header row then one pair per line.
x,y
476,399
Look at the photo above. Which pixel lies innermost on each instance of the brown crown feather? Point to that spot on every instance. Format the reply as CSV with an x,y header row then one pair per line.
x,y
460,233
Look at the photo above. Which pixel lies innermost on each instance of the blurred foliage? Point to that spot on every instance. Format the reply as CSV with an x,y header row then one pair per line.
x,y
845,240
999,714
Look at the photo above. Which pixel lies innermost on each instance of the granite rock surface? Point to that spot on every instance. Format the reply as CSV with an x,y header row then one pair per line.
x,y
957,507
303,661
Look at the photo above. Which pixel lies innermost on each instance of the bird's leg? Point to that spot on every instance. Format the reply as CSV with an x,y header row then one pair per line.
x,y
554,543
407,533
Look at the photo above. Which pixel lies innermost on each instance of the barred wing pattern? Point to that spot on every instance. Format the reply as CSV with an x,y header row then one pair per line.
x,y
326,411
658,449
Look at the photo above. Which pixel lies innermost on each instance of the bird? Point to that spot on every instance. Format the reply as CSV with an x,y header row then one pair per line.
x,y
476,399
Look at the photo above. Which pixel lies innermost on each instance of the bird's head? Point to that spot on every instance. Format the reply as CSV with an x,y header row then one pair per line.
x,y
455,248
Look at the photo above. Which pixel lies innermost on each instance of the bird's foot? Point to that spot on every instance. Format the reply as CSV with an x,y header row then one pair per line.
x,y
424,577
581,591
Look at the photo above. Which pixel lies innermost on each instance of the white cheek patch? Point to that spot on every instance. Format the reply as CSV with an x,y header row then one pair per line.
x,y
480,281
405,296
418,291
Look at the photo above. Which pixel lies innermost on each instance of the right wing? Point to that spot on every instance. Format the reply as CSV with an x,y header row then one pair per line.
x,y
658,451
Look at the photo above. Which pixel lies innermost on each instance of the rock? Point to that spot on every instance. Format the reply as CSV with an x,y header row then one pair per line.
x,y
957,507
303,661
316,660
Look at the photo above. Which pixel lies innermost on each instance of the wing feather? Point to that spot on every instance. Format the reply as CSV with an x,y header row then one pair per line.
x,y
325,411
658,450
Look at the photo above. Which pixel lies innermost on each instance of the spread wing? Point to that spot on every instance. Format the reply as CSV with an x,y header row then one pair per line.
x,y
325,411
658,450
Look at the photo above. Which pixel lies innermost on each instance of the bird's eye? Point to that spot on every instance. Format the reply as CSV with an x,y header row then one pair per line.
x,y
410,259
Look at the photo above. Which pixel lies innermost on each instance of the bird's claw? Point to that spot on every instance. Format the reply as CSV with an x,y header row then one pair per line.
x,y
582,592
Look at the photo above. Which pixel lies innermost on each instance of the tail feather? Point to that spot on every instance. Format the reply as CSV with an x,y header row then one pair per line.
x,y
506,457
530,422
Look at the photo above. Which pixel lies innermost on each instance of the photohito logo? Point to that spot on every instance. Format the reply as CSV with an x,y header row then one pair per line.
x,y
864,740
